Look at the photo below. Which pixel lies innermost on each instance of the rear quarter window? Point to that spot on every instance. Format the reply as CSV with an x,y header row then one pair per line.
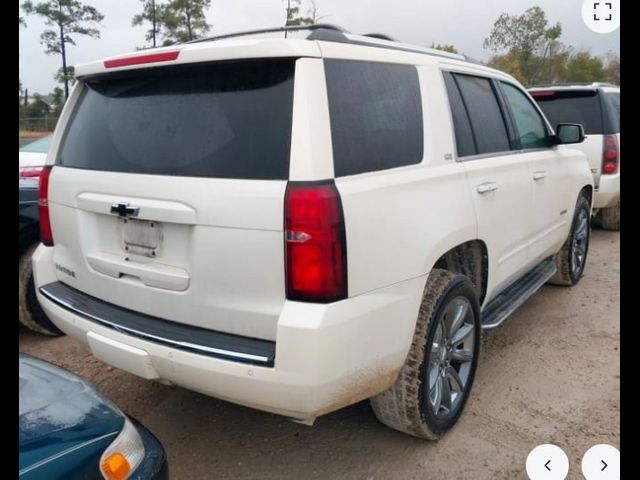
x,y
376,115
224,120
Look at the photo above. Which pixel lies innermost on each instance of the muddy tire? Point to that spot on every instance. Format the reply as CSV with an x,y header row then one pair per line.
x,y
572,257
610,217
434,383
30,312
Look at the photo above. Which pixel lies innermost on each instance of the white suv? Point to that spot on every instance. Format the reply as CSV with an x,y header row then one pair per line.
x,y
296,225
597,107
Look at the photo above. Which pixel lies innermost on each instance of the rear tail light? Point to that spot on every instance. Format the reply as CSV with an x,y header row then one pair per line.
x,y
46,235
315,243
610,155
543,94
29,172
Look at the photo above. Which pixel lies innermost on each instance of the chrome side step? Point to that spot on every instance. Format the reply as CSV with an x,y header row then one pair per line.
x,y
498,309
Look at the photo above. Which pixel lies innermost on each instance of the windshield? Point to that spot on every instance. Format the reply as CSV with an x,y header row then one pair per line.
x,y
225,120
38,146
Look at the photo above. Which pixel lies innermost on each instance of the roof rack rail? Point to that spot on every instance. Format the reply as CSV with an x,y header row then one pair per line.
x,y
316,26
333,33
380,36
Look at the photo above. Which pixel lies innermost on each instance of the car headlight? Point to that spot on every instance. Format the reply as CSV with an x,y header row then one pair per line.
x,y
124,454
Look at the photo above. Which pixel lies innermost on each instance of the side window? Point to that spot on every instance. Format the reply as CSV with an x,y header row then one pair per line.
x,y
376,115
529,123
613,99
465,142
489,129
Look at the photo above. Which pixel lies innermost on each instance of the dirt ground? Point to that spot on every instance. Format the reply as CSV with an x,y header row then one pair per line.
x,y
550,374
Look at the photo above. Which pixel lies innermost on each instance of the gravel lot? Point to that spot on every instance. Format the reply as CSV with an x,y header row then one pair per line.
x,y
550,374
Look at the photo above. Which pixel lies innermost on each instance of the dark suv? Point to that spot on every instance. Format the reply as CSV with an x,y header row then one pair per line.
x,y
32,159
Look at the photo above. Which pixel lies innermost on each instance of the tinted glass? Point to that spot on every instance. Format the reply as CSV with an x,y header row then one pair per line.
x,y
464,136
228,120
613,100
376,115
38,146
529,124
486,117
573,107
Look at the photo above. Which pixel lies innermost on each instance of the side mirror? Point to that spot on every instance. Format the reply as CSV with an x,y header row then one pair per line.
x,y
567,133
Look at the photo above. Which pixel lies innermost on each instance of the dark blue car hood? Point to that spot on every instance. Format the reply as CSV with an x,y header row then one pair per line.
x,y
60,414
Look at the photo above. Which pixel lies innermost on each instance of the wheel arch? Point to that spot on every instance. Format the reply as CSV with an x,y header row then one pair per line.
x,y
587,191
28,236
471,259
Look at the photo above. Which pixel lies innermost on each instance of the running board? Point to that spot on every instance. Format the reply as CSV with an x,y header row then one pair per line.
x,y
498,309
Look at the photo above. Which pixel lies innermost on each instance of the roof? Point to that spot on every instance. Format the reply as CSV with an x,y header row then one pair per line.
x,y
573,86
248,44
333,33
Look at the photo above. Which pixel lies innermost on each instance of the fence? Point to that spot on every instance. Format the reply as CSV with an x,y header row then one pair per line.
x,y
38,124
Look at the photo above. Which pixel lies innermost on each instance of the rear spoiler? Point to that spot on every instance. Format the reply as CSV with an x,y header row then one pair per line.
x,y
549,94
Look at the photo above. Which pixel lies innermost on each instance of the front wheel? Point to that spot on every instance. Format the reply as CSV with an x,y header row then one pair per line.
x,y
434,383
572,257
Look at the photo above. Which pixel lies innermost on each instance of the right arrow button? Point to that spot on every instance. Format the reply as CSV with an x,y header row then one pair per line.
x,y
601,462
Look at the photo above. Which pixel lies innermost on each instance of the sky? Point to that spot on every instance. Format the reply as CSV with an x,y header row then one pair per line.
x,y
463,23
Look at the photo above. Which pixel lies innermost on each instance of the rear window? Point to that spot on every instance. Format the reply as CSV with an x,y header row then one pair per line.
x,y
230,120
572,107
376,115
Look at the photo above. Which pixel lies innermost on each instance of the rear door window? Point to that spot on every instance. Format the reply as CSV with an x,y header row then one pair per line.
x,y
376,115
572,106
485,115
226,120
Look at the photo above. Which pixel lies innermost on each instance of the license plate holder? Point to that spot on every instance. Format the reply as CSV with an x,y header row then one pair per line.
x,y
141,237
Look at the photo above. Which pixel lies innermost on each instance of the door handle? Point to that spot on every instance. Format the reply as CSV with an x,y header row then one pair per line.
x,y
487,187
539,175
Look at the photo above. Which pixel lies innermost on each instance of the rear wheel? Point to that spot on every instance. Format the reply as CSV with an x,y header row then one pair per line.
x,y
434,383
30,312
610,217
572,257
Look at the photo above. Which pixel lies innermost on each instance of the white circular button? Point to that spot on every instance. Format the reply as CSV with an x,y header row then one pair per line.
x,y
601,462
601,16
547,462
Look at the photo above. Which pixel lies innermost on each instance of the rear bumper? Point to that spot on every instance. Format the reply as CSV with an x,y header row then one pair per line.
x,y
326,356
608,193
185,337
